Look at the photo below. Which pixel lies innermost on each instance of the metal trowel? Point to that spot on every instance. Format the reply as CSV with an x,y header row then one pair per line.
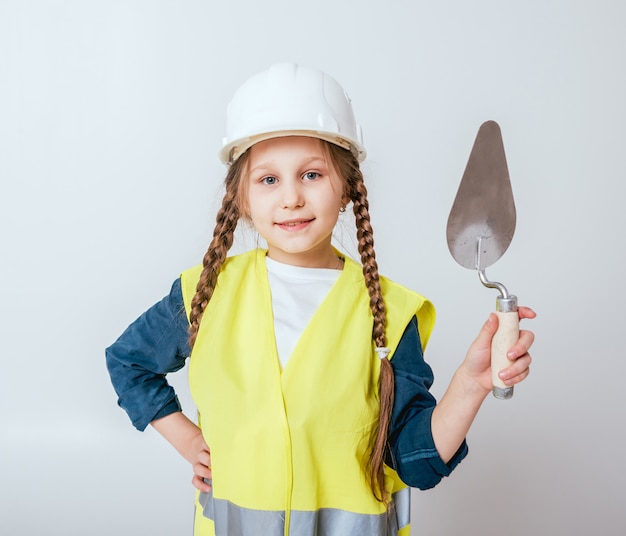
x,y
480,228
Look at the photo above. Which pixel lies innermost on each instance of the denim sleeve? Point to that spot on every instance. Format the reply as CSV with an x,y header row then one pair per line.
x,y
414,455
151,347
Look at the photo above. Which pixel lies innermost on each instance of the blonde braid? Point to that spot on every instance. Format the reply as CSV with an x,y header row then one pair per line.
x,y
386,386
223,236
365,236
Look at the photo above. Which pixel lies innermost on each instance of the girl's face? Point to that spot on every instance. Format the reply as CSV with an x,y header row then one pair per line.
x,y
293,196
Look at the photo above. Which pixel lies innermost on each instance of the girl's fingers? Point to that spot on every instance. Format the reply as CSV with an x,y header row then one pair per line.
x,y
523,344
200,484
517,372
201,470
526,312
202,473
204,457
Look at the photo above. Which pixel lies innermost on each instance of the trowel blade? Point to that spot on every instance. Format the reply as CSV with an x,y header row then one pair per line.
x,y
482,219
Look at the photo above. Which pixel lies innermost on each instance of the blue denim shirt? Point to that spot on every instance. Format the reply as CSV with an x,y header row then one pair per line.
x,y
156,344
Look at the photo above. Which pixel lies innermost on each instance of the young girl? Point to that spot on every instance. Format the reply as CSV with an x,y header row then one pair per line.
x,y
296,350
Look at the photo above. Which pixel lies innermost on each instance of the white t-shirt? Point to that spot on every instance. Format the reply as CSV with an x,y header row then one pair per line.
x,y
296,294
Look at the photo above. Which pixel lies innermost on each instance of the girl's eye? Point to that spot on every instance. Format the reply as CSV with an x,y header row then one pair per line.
x,y
311,175
269,180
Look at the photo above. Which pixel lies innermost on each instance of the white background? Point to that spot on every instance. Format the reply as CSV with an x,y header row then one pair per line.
x,y
111,114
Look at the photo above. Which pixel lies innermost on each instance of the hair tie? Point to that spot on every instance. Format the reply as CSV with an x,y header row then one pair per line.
x,y
382,352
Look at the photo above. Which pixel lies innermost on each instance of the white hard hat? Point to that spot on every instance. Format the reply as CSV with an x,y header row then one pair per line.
x,y
290,100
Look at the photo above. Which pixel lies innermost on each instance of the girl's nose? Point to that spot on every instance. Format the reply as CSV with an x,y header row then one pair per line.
x,y
292,195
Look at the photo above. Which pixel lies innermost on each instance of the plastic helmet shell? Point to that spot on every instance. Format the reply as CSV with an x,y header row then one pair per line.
x,y
290,100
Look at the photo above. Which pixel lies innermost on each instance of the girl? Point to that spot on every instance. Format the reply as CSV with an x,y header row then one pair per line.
x,y
314,415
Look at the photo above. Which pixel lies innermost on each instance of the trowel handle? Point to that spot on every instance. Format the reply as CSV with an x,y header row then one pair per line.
x,y
503,340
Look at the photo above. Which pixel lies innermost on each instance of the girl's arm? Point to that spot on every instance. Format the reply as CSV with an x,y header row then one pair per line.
x,y
138,362
413,452
471,383
151,347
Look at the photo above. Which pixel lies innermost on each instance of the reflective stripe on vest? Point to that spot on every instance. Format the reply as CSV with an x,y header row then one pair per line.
x,y
232,520
293,441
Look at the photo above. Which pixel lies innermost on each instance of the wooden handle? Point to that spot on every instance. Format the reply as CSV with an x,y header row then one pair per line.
x,y
503,340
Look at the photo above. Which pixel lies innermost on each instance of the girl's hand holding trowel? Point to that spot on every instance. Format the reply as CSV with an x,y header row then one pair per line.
x,y
472,382
477,364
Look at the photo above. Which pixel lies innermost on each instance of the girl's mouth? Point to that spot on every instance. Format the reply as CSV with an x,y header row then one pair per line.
x,y
293,225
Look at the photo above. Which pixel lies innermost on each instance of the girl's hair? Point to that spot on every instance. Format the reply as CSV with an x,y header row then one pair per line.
x,y
223,235
347,167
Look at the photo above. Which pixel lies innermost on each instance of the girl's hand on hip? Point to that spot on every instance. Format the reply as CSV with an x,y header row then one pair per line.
x,y
187,439
202,467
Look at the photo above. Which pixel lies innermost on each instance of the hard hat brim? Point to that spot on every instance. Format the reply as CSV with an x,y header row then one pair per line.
x,y
232,151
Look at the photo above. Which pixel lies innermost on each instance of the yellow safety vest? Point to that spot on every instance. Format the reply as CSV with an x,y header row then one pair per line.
x,y
288,447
